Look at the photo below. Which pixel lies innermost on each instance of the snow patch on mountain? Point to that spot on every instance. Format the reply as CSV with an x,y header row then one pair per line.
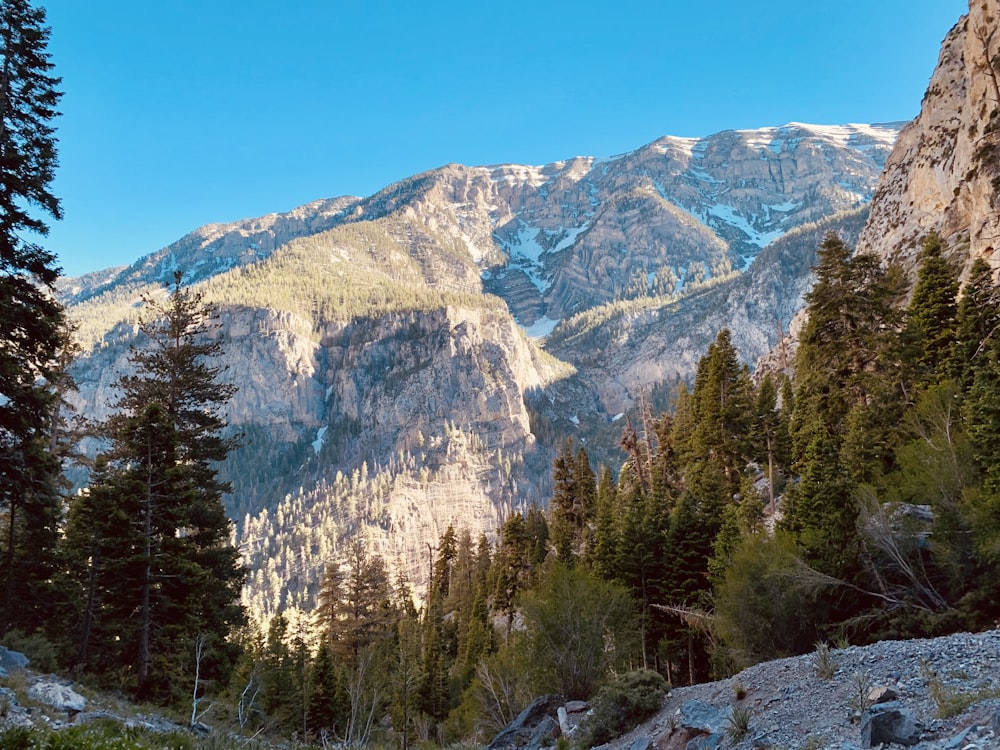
x,y
540,328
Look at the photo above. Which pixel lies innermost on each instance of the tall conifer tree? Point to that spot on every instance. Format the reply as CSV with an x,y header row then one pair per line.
x,y
931,316
166,442
32,326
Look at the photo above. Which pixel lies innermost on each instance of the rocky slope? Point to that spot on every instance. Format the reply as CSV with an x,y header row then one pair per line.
x,y
944,172
930,694
934,693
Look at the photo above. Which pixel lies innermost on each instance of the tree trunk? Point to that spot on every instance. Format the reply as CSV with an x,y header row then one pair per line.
x,y
146,615
88,616
9,583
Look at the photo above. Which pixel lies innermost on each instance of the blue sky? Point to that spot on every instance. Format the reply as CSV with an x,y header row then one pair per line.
x,y
181,113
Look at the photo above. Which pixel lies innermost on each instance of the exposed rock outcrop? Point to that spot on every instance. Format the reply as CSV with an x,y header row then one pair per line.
x,y
943,173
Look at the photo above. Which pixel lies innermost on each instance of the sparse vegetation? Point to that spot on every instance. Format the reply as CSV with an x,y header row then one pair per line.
x,y
823,661
949,701
738,723
860,696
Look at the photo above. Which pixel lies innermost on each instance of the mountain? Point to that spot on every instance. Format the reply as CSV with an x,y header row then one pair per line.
x,y
389,351
944,172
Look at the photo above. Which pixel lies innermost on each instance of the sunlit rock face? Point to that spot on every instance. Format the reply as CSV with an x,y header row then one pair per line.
x,y
943,174
390,352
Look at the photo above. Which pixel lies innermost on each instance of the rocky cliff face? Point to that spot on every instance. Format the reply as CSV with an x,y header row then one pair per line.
x,y
382,393
676,211
943,173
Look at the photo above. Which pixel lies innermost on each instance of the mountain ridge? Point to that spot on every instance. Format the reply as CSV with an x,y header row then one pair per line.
x,y
388,333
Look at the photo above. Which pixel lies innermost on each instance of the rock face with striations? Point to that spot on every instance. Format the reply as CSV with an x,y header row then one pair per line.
x,y
944,173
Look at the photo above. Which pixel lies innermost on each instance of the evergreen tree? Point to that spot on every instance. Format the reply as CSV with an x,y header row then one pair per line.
x,y
279,686
327,699
845,372
406,680
773,446
977,322
32,325
722,410
447,551
573,503
99,560
355,604
602,552
434,696
562,507
932,313
166,442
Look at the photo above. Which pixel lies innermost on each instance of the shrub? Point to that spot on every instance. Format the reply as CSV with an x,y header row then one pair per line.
x,y
577,629
621,705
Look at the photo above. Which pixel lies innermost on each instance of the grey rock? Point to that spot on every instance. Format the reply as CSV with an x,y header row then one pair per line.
x,y
641,743
564,726
958,740
545,732
577,707
534,724
58,696
12,660
705,742
881,694
888,725
702,717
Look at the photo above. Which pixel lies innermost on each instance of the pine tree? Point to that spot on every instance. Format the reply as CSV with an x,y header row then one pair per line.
x,y
845,381
447,551
562,507
932,313
99,559
32,324
573,503
978,320
166,442
327,699
278,683
355,608
603,550
406,680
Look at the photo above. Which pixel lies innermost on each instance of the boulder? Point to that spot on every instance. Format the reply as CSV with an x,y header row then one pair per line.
x,y
11,661
881,694
544,734
58,696
699,716
533,727
705,742
888,724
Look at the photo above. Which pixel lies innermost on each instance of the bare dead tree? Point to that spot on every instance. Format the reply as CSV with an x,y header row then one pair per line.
x,y
196,699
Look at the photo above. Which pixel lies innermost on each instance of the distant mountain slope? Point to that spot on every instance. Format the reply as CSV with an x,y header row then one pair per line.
x,y
385,386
